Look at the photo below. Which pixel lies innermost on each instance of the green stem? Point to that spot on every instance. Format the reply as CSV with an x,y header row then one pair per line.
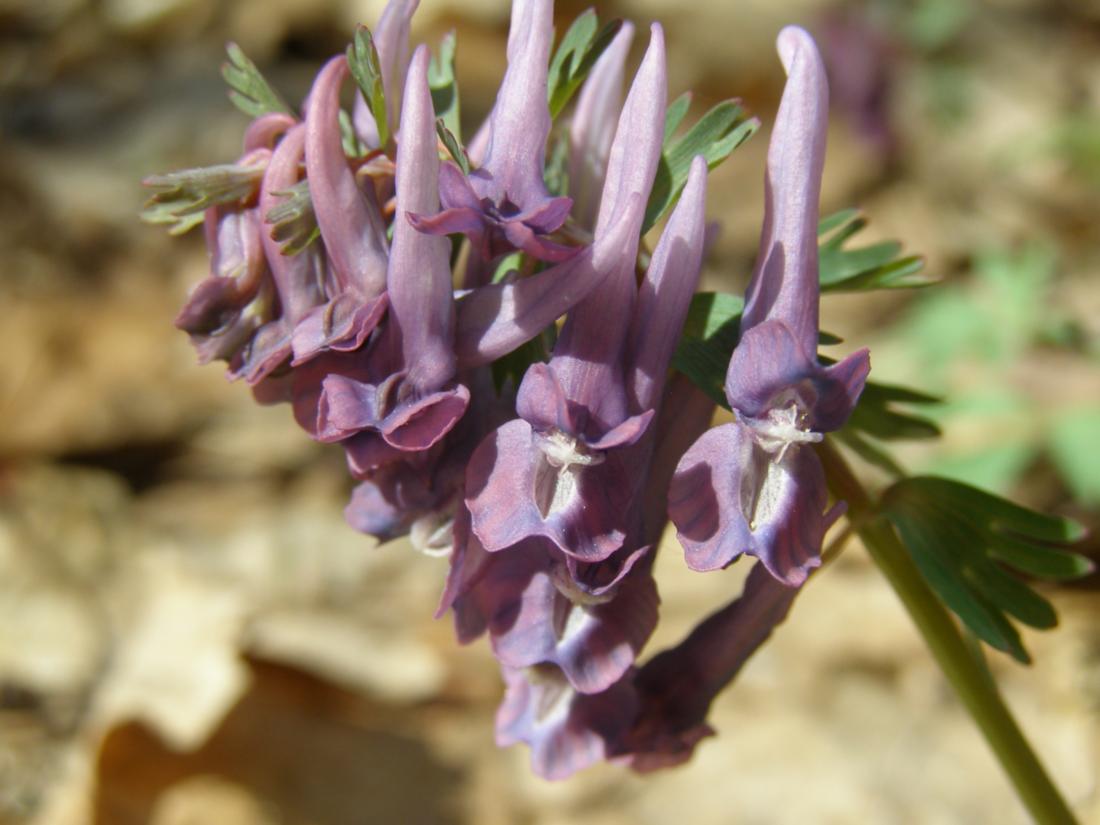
x,y
969,677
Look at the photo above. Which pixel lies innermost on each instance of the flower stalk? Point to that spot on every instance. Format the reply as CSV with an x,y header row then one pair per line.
x,y
967,675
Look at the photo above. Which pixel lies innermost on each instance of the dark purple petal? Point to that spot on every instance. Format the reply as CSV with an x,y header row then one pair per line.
x,y
769,369
520,120
348,405
367,451
341,325
456,221
419,275
514,492
547,216
729,497
224,311
455,191
704,499
350,222
677,687
593,126
494,320
531,621
665,293
541,402
595,581
567,731
588,356
623,434
784,284
418,425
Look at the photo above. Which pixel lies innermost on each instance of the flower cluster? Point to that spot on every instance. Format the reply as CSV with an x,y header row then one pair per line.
x,y
548,486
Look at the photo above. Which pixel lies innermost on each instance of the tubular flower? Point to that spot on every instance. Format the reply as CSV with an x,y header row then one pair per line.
x,y
755,486
409,398
545,475
504,204
559,465
352,231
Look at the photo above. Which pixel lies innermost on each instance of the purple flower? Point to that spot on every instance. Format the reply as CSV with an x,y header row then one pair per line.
x,y
297,279
504,205
558,471
391,40
754,486
593,127
561,489
675,688
352,230
403,390
566,730
224,311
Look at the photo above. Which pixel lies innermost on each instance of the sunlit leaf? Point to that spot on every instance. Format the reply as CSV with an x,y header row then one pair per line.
x,y
293,223
180,198
714,136
878,266
578,51
367,70
961,538
248,89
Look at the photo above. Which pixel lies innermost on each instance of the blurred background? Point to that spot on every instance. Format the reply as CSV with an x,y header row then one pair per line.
x,y
190,634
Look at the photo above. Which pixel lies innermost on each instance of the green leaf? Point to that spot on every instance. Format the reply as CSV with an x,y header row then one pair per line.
x,y
961,537
293,223
180,198
875,414
869,451
674,115
710,333
444,86
878,266
353,146
509,263
716,134
247,88
578,51
367,71
450,142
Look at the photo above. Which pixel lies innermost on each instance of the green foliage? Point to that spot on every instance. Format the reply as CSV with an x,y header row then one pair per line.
x,y
578,51
444,86
962,539
454,149
247,88
710,334
353,146
714,136
180,198
367,71
878,266
293,223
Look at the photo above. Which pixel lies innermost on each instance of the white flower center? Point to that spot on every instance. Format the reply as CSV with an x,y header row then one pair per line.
x,y
556,477
433,534
782,428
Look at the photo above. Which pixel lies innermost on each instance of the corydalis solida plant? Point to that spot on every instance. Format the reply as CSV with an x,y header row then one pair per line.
x,y
542,459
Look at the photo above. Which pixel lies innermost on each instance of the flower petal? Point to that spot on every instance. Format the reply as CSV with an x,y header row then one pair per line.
x,y
581,511
676,687
593,126
784,284
567,731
